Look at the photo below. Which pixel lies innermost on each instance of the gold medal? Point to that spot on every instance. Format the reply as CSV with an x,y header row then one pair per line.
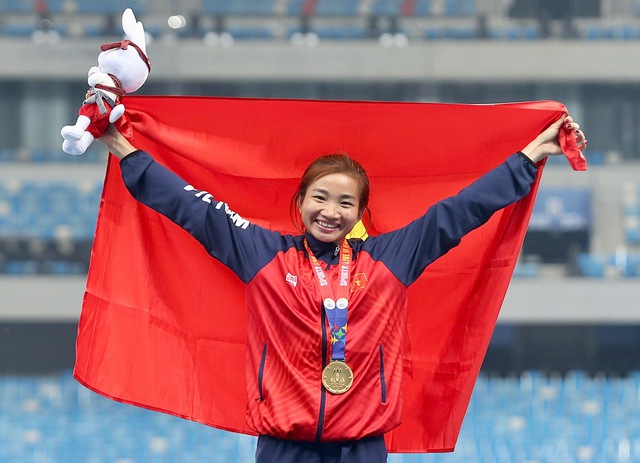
x,y
337,377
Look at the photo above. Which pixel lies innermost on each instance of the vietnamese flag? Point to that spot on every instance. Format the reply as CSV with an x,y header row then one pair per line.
x,y
163,323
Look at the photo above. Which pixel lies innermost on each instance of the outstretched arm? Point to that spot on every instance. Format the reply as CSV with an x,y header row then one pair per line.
x,y
546,143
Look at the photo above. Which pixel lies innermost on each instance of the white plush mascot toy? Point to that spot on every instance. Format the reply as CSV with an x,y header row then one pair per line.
x,y
122,68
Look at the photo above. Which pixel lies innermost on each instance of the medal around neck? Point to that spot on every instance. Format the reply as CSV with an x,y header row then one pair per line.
x,y
337,377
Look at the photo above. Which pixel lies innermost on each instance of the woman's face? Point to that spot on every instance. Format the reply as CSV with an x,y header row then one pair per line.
x,y
330,207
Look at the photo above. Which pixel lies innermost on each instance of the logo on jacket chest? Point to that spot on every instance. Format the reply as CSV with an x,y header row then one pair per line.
x,y
292,279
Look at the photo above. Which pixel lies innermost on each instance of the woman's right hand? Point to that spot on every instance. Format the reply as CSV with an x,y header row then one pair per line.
x,y
116,143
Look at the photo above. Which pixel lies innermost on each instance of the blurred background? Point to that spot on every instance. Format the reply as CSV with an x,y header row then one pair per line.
x,y
561,380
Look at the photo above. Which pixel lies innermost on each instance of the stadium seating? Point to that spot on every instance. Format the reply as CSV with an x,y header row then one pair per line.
x,y
300,7
94,154
115,7
532,417
16,6
459,7
422,7
238,7
68,17
631,205
47,227
598,265
344,8
387,8
515,32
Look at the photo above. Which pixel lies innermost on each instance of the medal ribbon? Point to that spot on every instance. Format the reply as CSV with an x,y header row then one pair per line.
x,y
335,309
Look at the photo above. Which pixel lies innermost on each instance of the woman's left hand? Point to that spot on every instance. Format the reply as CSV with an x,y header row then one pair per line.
x,y
547,144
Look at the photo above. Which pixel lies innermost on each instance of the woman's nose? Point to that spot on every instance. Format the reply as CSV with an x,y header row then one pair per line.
x,y
331,210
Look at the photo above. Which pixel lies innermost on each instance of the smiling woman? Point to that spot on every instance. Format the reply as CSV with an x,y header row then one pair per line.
x,y
310,394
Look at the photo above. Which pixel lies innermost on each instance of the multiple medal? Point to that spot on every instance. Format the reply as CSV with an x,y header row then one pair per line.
x,y
337,377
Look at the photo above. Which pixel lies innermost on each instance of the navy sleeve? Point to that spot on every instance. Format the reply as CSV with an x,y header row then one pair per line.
x,y
408,250
243,247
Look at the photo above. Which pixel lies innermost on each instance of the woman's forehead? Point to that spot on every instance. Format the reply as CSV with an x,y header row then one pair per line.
x,y
336,181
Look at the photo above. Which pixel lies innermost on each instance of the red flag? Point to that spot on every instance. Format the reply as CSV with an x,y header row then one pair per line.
x,y
163,324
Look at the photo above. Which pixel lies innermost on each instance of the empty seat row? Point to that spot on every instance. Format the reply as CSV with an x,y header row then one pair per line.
x,y
617,264
52,210
72,6
95,153
631,205
535,416
345,8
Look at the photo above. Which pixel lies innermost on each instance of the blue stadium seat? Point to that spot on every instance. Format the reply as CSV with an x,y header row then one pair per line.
x,y
18,30
592,265
216,7
449,32
423,8
632,235
340,32
460,7
337,8
623,264
434,32
387,7
631,214
515,32
63,267
238,7
20,267
7,155
296,7
113,7
251,32
526,269
17,6
628,32
599,32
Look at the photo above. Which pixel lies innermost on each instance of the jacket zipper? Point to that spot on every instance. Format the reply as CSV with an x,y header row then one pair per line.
x,y
323,392
383,383
261,372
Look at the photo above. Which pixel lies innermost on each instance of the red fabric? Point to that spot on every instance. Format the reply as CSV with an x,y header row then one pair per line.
x,y
163,325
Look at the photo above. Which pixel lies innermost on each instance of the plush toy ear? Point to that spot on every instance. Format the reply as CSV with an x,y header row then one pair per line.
x,y
134,30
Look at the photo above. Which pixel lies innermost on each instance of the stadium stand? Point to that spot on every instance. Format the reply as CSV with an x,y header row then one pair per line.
x,y
240,8
631,205
47,227
418,19
532,417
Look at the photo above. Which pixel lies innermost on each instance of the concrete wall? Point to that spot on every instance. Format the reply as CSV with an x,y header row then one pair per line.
x,y
424,61
528,301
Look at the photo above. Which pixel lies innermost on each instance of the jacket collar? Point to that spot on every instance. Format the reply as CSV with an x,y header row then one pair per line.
x,y
326,252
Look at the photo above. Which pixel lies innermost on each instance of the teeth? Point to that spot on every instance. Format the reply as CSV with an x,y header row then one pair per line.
x,y
327,225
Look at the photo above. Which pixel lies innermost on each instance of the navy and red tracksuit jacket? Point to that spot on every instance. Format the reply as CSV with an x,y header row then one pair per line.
x,y
287,333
